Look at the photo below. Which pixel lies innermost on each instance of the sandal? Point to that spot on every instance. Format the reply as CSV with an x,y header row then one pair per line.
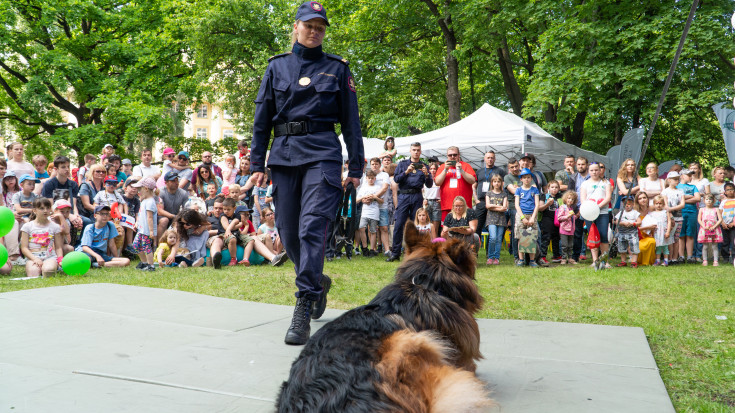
x,y
244,262
622,264
634,265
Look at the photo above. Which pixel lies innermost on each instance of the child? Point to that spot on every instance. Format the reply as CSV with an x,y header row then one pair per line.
x,y
40,163
130,208
230,222
61,212
727,206
368,195
89,160
566,216
108,150
549,231
268,233
664,225
228,171
259,195
496,200
127,167
689,216
674,204
628,224
212,195
109,197
526,230
169,254
41,241
234,191
99,238
710,233
422,222
245,233
145,223
23,201
10,188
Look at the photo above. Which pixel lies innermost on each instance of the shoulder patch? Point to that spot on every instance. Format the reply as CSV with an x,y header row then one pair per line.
x,y
340,58
279,55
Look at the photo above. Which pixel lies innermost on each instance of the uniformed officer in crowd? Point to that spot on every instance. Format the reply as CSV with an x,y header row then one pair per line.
x,y
303,93
410,175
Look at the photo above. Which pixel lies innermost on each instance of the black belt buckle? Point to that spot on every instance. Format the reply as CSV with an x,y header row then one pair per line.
x,y
297,128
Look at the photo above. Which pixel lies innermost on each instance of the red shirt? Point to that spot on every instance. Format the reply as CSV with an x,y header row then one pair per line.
x,y
453,187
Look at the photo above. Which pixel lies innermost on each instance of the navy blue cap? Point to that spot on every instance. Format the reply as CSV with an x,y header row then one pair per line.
x,y
242,208
311,10
170,176
99,208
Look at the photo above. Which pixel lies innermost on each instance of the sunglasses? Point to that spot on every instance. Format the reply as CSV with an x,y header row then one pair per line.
x,y
182,158
452,155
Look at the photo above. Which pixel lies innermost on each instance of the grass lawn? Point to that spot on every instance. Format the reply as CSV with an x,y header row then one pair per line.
x,y
676,306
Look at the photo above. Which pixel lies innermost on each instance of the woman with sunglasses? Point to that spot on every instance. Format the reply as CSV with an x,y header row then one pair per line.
x,y
89,189
304,92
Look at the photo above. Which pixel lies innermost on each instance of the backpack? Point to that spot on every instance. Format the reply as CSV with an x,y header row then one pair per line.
x,y
556,217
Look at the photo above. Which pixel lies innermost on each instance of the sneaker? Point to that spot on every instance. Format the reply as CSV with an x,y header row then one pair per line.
x,y
19,261
704,263
279,259
543,262
715,264
582,257
691,260
242,262
217,260
233,262
520,263
140,265
490,261
150,268
572,262
657,263
699,259
496,261
556,260
533,264
622,264
681,260
96,265
562,261
633,265
666,263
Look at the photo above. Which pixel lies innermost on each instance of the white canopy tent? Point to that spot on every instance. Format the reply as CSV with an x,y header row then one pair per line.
x,y
504,133
372,147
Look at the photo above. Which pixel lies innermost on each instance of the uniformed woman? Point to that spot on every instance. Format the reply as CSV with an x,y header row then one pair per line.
x,y
303,93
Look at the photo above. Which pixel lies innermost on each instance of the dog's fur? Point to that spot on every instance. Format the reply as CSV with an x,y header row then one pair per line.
x,y
411,349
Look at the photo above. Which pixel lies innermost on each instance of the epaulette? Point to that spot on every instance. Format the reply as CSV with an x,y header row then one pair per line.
x,y
279,55
340,58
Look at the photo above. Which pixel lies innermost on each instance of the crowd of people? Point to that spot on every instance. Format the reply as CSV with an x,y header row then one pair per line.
x,y
173,215
177,214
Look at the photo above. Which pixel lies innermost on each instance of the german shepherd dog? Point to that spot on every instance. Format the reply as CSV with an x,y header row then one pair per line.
x,y
411,349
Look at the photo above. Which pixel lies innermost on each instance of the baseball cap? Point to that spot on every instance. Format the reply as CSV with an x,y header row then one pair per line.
x,y
61,203
184,153
529,156
111,178
127,161
525,171
168,151
242,208
109,145
9,174
99,208
686,171
673,174
170,176
26,177
147,182
311,10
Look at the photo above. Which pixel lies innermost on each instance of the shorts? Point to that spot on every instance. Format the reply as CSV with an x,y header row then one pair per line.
x,y
44,255
105,257
663,249
245,239
143,244
434,209
677,230
628,241
371,224
689,224
224,239
384,219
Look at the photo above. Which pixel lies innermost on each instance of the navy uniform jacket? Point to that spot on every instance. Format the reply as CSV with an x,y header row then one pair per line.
x,y
329,97
411,181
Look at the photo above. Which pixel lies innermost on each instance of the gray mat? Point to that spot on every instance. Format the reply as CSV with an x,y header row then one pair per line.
x,y
114,348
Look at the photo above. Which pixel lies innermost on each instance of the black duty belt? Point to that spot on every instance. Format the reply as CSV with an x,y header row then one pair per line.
x,y
302,128
408,191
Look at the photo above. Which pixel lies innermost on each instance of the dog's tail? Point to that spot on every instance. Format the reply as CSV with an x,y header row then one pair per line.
x,y
417,375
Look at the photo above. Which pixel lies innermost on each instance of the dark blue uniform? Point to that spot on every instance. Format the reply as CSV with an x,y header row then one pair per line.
x,y
302,95
410,199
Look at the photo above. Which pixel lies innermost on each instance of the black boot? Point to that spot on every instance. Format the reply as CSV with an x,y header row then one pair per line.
x,y
321,303
300,329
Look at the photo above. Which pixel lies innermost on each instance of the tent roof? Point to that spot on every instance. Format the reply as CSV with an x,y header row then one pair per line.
x,y
504,133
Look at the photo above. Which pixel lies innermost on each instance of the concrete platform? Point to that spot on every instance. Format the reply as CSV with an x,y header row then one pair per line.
x,y
114,348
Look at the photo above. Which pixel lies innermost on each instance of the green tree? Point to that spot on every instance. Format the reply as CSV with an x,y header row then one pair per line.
x,y
115,67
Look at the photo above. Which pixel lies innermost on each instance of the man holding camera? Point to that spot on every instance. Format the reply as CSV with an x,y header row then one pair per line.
x,y
455,178
410,175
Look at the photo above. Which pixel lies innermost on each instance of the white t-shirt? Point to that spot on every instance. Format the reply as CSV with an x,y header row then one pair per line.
x,y
41,237
371,211
21,168
148,204
380,179
596,191
107,199
144,171
674,196
700,187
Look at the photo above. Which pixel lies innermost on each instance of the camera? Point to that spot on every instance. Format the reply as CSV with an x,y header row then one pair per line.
x,y
451,163
418,165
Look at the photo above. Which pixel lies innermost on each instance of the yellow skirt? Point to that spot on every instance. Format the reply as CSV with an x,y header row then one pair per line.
x,y
648,251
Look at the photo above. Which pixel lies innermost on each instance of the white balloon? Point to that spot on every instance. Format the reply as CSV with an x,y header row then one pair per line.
x,y
589,210
732,20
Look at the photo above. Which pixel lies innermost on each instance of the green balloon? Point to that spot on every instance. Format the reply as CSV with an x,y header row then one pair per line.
x,y
7,219
76,263
3,255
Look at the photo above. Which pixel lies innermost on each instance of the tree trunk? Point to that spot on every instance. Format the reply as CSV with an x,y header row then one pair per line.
x,y
575,133
512,90
453,95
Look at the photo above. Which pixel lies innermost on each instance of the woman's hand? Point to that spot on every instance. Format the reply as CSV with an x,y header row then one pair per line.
x,y
170,259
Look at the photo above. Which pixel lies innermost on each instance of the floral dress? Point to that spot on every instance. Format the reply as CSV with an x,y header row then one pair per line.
x,y
709,217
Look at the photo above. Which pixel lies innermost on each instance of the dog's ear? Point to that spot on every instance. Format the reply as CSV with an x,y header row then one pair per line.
x,y
462,256
413,238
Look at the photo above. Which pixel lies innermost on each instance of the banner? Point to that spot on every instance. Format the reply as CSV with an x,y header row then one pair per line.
x,y
613,156
631,145
726,117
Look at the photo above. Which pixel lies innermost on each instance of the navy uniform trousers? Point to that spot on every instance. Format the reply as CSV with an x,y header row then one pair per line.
x,y
306,199
405,210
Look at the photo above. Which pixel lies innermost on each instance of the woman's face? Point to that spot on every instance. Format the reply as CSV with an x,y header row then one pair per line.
x,y
310,33
245,165
643,200
204,173
651,170
630,167
694,168
98,174
720,175
459,208
390,144
17,152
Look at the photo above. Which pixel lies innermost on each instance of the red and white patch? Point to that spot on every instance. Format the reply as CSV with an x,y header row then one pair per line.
x,y
316,6
351,83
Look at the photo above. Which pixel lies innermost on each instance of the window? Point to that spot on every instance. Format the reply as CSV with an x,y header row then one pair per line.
x,y
201,133
202,112
227,114
228,133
